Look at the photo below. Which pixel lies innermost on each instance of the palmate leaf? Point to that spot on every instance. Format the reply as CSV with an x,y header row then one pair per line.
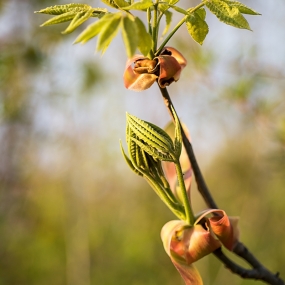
x,y
197,26
65,17
130,35
61,9
94,29
108,32
79,19
227,14
144,39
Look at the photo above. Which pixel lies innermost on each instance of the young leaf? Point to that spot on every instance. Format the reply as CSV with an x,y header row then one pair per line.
x,y
227,14
121,3
130,35
202,13
110,3
65,17
79,19
241,7
94,29
168,18
144,39
197,27
108,32
141,5
62,9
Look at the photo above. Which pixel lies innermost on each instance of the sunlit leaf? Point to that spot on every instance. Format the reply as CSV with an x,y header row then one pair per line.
x,y
141,5
144,39
242,8
197,27
168,18
227,14
121,3
202,13
94,29
130,35
60,19
79,19
110,3
108,32
62,9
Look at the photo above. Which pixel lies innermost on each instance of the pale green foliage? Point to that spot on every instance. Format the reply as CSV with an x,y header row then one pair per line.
x,y
197,26
227,13
134,33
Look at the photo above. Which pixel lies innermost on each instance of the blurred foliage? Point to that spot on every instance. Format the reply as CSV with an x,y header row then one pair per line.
x,y
71,212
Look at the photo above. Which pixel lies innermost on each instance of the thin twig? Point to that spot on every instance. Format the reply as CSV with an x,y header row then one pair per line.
x,y
259,272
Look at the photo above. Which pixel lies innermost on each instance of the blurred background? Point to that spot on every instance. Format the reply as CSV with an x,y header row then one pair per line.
x,y
71,212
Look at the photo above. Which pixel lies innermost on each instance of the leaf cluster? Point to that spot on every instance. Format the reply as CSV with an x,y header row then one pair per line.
x,y
134,33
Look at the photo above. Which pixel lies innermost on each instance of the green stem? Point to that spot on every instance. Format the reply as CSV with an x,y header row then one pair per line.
x,y
176,208
155,26
170,35
190,218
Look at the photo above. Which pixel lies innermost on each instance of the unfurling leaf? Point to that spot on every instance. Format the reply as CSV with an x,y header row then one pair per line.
x,y
130,35
197,26
227,14
62,9
144,39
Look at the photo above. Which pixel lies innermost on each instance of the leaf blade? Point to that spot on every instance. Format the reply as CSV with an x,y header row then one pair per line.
x,y
227,14
145,39
197,27
130,35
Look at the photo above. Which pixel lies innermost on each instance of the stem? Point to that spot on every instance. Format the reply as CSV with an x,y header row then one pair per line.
x,y
190,218
177,209
258,271
202,186
170,35
155,26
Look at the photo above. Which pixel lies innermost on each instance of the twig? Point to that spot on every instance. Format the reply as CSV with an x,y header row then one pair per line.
x,y
258,271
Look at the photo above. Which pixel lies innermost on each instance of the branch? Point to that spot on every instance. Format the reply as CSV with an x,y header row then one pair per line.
x,y
259,272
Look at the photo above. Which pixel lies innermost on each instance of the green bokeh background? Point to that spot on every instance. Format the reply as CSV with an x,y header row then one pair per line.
x,y
71,212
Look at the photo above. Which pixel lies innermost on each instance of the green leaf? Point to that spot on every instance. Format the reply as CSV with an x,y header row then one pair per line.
x,y
79,19
60,19
155,137
108,32
197,27
227,14
121,3
241,7
110,3
141,5
168,18
128,161
202,13
144,39
94,29
62,9
130,35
